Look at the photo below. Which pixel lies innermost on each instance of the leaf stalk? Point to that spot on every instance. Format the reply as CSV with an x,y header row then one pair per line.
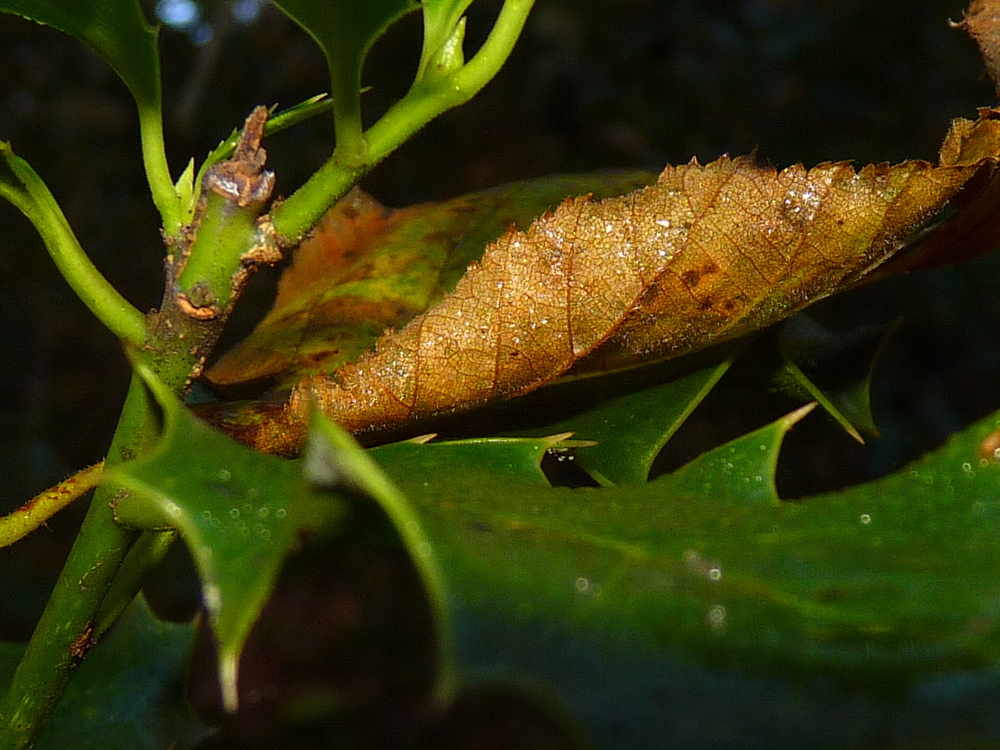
x,y
426,99
22,186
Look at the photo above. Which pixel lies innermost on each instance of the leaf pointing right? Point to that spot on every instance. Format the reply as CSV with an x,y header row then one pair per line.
x,y
706,254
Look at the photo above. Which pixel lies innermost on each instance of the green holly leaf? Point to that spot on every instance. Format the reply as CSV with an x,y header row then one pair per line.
x,y
116,29
626,605
629,429
833,369
128,694
238,511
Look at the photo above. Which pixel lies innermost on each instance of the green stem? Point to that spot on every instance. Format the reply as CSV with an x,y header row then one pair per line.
x,y
22,186
147,552
154,159
351,146
42,507
106,565
64,632
423,102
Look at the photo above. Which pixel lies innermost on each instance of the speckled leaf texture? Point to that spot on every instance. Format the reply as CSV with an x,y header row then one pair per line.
x,y
706,254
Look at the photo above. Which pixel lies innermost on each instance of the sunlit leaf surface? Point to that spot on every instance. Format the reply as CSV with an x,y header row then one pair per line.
x,y
367,268
707,254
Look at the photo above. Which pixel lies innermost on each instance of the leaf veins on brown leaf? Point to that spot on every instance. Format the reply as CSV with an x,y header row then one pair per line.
x,y
706,254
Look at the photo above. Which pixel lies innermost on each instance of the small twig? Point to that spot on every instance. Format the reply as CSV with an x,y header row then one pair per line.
x,y
41,508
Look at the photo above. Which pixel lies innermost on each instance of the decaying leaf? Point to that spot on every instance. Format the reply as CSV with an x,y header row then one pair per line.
x,y
706,254
366,268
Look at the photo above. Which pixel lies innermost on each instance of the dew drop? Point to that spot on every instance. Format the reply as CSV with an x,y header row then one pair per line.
x,y
865,519
717,617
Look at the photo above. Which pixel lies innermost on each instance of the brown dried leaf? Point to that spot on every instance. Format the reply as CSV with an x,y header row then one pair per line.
x,y
706,254
320,291
366,268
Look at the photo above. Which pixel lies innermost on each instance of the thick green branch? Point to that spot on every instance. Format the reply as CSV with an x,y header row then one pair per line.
x,y
65,631
107,562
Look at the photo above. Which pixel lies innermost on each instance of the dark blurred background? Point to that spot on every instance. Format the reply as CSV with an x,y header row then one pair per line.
x,y
592,84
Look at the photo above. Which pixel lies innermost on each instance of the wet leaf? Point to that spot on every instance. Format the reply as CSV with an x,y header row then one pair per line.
x,y
703,588
367,268
238,512
128,694
706,254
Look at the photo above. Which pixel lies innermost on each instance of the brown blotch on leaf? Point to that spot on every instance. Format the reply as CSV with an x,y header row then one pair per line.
x,y
989,449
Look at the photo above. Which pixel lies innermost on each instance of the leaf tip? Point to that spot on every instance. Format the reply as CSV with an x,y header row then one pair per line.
x,y
229,662
422,439
793,418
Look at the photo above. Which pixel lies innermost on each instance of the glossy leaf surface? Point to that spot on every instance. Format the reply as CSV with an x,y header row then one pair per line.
x,y
367,268
629,429
705,255
703,586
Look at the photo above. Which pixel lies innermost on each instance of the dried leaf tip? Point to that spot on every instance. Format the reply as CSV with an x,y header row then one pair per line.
x,y
982,21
